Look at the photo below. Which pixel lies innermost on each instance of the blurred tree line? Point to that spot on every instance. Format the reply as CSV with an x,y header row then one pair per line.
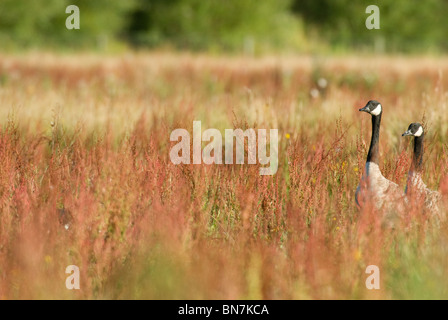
x,y
227,25
406,25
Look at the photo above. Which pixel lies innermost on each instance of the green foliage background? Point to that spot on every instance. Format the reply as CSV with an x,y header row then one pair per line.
x,y
230,25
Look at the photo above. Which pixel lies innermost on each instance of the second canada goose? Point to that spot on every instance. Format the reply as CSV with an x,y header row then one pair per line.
x,y
374,186
415,185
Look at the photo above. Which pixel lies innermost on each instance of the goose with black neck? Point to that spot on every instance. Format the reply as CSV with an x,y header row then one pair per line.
x,y
374,186
415,187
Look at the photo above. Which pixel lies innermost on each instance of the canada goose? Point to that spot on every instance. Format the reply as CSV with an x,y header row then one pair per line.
x,y
373,185
415,185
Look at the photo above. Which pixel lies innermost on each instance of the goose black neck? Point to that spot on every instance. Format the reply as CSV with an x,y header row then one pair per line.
x,y
373,155
417,159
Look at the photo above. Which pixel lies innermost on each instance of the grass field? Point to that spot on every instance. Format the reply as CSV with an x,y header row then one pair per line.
x,y
90,134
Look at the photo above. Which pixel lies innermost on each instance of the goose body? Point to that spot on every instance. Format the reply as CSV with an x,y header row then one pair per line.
x,y
374,187
415,187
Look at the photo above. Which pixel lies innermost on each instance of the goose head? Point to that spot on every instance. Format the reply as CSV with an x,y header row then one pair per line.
x,y
415,129
373,107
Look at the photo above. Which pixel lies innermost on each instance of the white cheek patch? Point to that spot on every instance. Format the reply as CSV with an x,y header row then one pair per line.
x,y
377,110
419,132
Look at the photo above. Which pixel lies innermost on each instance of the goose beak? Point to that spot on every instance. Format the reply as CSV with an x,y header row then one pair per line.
x,y
365,109
407,133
